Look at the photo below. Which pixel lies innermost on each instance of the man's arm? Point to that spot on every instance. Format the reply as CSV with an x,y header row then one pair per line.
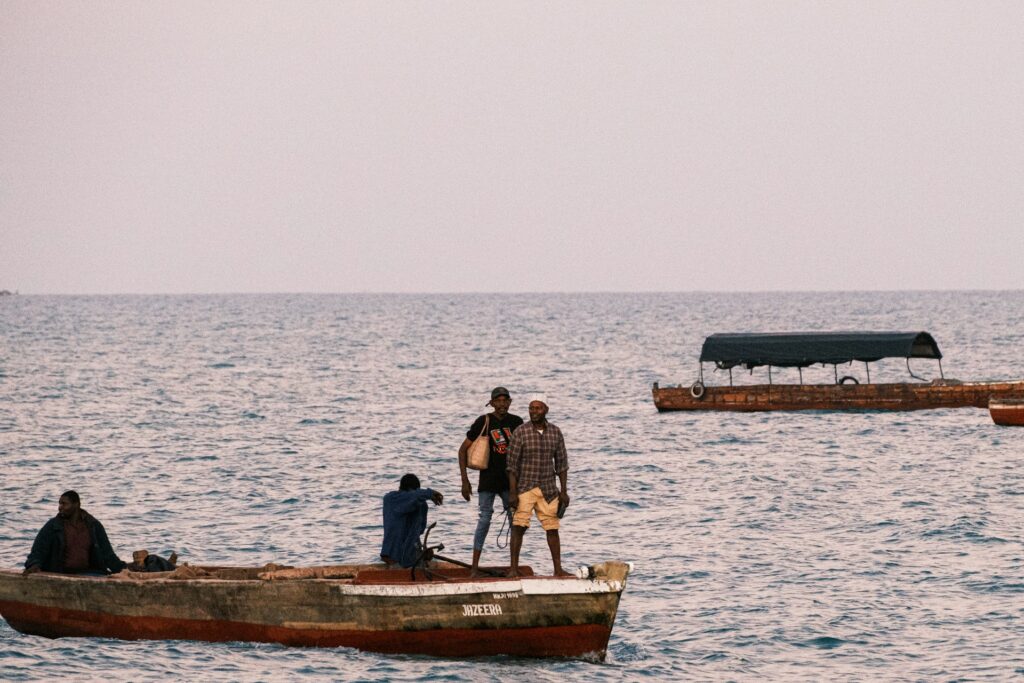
x,y
512,469
467,488
562,467
111,562
474,432
405,502
513,491
40,549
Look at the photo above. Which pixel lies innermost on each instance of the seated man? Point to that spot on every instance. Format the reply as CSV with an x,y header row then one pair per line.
x,y
73,542
405,518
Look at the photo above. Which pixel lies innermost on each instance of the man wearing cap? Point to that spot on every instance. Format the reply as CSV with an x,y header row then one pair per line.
x,y
536,459
493,480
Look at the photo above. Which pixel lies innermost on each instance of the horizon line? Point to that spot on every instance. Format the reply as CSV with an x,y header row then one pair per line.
x,y
509,292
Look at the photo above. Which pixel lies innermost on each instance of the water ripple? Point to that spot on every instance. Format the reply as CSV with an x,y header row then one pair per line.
x,y
254,429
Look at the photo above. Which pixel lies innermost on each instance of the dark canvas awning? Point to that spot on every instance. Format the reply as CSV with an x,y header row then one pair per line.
x,y
801,349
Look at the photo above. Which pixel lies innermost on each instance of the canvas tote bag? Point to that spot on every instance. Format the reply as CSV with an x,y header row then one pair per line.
x,y
480,450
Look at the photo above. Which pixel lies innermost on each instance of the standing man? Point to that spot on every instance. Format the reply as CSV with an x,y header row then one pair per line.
x,y
535,459
73,542
493,480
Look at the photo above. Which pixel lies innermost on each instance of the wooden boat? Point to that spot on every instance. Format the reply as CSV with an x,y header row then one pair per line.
x,y
1007,412
803,349
367,607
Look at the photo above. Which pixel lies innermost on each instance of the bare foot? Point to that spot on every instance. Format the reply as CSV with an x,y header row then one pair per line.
x,y
513,573
562,572
474,573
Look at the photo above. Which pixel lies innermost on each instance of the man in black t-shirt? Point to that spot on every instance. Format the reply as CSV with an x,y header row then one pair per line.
x,y
494,479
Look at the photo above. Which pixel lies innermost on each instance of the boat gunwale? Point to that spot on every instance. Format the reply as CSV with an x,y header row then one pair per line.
x,y
524,585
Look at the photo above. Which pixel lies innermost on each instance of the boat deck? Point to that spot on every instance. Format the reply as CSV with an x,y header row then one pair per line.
x,y
371,574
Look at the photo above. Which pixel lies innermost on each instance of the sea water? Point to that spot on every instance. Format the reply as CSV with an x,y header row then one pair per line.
x,y
249,429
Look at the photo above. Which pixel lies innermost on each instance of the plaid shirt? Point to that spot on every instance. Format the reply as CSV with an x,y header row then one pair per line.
x,y
536,459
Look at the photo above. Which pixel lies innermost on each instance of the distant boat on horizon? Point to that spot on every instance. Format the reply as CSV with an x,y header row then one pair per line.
x,y
804,349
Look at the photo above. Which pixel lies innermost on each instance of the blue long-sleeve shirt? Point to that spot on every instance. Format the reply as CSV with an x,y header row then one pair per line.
x,y
405,518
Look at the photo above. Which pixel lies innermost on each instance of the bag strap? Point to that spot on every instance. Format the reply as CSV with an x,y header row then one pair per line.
x,y
487,422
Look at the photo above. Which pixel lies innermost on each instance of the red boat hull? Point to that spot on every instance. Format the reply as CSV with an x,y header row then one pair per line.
x,y
902,396
1007,413
551,641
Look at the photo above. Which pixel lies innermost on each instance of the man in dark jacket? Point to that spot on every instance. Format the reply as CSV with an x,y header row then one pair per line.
x,y
405,518
73,542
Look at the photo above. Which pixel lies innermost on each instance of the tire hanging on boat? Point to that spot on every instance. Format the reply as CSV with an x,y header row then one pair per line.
x,y
697,390
851,378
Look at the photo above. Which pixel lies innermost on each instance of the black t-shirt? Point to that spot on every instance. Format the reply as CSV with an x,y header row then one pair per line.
x,y
495,478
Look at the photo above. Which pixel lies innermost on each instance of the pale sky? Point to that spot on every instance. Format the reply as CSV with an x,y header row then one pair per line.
x,y
165,147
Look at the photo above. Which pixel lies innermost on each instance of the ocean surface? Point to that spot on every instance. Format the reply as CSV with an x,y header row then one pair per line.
x,y
246,429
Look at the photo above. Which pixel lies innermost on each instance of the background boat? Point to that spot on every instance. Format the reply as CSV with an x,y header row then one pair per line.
x,y
801,350
1007,412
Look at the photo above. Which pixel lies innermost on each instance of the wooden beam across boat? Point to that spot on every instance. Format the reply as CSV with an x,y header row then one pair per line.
x,y
450,615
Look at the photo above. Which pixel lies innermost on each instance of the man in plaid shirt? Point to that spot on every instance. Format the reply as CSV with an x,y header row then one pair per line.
x,y
536,457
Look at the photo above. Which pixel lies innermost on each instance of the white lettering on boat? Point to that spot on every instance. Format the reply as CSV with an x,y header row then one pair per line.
x,y
507,596
481,610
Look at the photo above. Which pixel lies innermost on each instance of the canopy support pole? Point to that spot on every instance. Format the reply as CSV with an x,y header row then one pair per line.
x,y
702,373
769,374
868,368
940,369
912,372
801,371
835,369
730,377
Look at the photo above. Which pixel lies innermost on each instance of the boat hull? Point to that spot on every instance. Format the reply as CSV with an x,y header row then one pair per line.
x,y
899,396
1008,413
531,617
572,640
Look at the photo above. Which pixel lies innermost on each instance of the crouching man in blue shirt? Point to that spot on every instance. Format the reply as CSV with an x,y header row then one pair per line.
x,y
405,518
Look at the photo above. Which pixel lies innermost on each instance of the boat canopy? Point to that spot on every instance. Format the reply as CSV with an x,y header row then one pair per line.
x,y
803,349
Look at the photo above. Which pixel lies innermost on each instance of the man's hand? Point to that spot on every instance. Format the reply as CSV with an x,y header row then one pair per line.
x,y
513,500
437,498
563,498
32,570
467,489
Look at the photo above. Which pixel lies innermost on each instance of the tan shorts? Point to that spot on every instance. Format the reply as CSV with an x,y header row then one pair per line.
x,y
547,511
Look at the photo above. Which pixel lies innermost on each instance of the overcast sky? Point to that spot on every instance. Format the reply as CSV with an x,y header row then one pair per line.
x,y
542,146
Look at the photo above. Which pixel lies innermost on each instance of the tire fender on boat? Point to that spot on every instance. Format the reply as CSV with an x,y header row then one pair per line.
x,y
848,378
697,390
